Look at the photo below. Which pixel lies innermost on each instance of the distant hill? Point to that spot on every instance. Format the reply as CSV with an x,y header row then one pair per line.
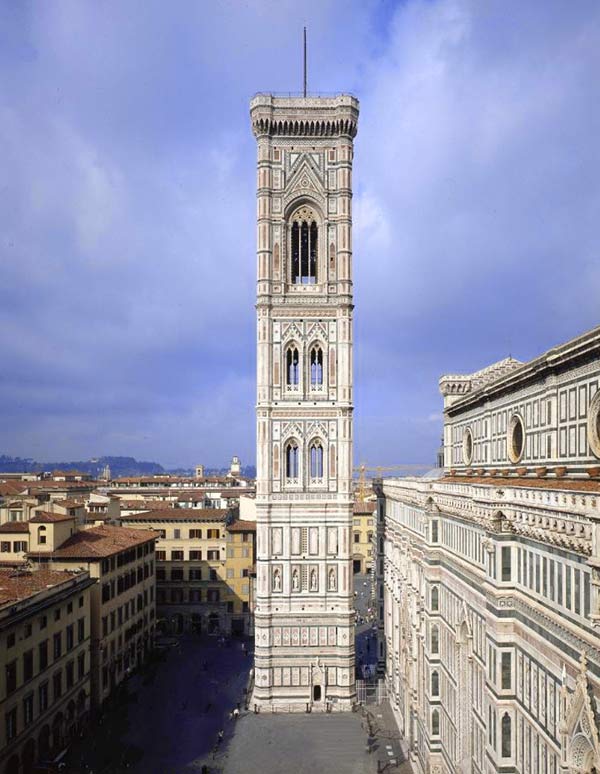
x,y
119,466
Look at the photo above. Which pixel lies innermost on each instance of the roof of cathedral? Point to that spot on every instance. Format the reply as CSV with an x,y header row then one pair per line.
x,y
482,377
569,484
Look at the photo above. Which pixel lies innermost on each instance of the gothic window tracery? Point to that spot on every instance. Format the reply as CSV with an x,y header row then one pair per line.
x,y
304,247
291,461
316,367
316,460
292,367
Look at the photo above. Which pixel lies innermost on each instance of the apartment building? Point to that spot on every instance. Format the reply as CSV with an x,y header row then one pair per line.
x,y
205,562
123,612
45,656
363,529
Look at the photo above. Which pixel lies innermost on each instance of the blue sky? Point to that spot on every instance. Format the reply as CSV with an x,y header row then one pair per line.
x,y
127,205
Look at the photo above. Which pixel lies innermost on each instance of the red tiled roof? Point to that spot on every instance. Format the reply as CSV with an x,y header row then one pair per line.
x,y
48,517
10,488
11,527
365,508
179,514
17,585
98,542
146,505
242,526
570,484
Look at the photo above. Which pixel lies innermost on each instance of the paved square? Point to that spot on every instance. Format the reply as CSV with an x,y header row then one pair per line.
x,y
302,744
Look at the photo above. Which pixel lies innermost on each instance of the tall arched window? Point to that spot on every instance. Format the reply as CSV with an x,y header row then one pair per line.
x,y
435,598
435,684
292,366
435,639
506,735
316,366
316,460
305,247
435,723
291,460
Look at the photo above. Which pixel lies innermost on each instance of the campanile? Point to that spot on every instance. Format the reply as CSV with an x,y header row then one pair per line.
x,y
304,626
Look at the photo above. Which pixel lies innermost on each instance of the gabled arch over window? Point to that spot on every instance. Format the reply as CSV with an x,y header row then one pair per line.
x,y
316,367
291,460
304,247
316,459
292,366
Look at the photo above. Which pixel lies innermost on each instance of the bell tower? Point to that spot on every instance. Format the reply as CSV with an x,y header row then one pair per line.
x,y
304,628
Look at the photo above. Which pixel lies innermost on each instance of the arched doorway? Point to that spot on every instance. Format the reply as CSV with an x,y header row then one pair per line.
x,y
44,742
316,693
12,767
57,732
28,756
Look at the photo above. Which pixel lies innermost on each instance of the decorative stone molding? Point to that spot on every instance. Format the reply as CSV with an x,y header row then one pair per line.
x,y
579,729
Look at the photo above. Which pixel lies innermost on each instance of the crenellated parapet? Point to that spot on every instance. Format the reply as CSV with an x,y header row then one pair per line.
x,y
298,116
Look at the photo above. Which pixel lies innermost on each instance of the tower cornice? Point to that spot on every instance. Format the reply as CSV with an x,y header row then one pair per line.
x,y
297,116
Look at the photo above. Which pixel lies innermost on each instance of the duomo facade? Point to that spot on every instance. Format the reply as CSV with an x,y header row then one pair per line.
x,y
492,574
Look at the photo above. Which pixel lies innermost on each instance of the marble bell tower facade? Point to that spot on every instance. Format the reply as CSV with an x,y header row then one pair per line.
x,y
304,628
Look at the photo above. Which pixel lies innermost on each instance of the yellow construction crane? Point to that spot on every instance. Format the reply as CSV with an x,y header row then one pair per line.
x,y
362,477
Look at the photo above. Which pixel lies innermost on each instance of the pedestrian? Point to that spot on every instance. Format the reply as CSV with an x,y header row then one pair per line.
x,y
236,713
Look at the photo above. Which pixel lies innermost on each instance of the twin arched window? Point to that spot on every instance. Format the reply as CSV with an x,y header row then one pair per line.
x,y
292,367
315,460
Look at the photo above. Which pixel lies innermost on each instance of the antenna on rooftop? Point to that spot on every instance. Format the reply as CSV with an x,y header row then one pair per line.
x,y
305,62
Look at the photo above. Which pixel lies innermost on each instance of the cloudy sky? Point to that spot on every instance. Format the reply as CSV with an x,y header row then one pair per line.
x,y
127,202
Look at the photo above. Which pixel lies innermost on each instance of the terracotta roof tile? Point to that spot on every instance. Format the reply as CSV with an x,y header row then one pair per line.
x,y
12,527
48,517
365,508
242,526
17,585
179,514
98,542
569,484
